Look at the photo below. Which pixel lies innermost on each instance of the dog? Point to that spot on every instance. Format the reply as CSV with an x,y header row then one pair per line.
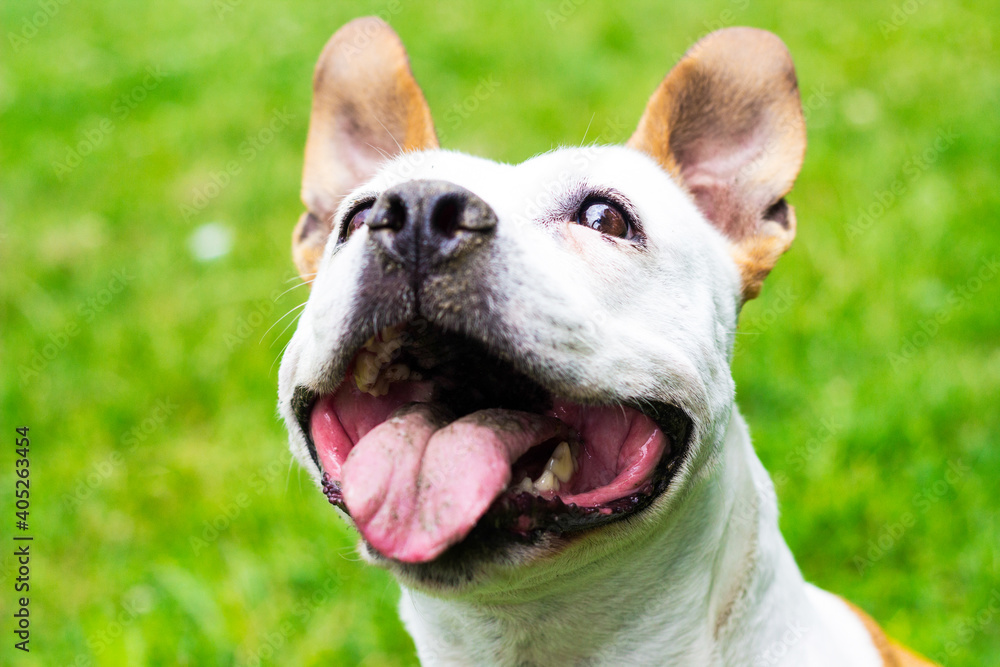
x,y
515,381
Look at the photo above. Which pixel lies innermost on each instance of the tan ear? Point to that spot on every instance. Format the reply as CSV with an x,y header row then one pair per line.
x,y
367,108
727,122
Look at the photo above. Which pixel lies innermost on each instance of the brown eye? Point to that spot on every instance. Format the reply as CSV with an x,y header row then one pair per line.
x,y
606,218
356,219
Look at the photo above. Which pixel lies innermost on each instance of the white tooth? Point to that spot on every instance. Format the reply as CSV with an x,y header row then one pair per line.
x,y
386,376
386,335
366,370
372,370
525,486
547,482
396,373
562,463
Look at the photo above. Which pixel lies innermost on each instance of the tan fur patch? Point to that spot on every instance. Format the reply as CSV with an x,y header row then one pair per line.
x,y
367,107
893,655
756,255
735,90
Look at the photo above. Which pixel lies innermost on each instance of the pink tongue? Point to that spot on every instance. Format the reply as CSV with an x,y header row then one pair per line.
x,y
414,487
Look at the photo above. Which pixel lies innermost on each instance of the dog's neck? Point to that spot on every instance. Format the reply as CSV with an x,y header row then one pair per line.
x,y
719,586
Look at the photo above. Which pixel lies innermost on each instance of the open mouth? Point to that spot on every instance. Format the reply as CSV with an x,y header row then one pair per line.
x,y
430,439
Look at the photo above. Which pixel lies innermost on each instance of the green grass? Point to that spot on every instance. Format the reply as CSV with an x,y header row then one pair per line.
x,y
127,566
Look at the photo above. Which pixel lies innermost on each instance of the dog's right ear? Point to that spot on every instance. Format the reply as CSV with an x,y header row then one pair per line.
x,y
728,124
367,108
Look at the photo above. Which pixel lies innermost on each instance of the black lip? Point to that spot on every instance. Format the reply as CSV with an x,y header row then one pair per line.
x,y
303,401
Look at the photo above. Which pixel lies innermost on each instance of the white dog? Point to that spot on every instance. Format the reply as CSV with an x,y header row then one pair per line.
x,y
515,379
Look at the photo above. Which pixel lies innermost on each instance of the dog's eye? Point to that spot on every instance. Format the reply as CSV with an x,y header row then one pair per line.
x,y
356,219
606,218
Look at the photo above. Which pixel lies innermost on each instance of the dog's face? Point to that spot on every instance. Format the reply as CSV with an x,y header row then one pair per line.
x,y
499,366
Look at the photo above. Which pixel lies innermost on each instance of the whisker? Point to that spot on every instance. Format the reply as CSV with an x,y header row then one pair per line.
x,y
279,319
305,282
585,132
290,324
278,357
349,554
390,134
288,475
380,151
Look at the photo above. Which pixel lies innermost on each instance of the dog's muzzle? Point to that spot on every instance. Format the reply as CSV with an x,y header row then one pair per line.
x,y
420,225
431,429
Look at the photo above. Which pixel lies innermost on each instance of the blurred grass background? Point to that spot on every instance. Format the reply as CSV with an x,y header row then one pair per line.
x,y
150,162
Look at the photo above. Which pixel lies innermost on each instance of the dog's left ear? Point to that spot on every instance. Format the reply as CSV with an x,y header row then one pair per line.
x,y
367,108
727,121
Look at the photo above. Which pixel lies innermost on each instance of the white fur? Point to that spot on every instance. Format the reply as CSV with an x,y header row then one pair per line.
x,y
704,576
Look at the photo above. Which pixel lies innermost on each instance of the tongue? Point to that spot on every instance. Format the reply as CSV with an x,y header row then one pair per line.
x,y
414,486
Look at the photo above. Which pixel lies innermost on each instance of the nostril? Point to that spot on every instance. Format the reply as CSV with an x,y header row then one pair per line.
x,y
392,216
396,215
445,216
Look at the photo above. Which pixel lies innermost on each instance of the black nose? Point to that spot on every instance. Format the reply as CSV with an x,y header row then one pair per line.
x,y
421,224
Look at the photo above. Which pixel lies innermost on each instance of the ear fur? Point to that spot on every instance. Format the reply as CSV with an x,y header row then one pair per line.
x,y
367,108
727,123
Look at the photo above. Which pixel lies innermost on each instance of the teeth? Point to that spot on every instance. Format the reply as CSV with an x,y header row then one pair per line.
x,y
381,387
559,470
366,370
547,482
397,373
562,463
373,368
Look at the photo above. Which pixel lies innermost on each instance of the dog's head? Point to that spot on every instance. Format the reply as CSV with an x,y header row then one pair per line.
x,y
498,365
